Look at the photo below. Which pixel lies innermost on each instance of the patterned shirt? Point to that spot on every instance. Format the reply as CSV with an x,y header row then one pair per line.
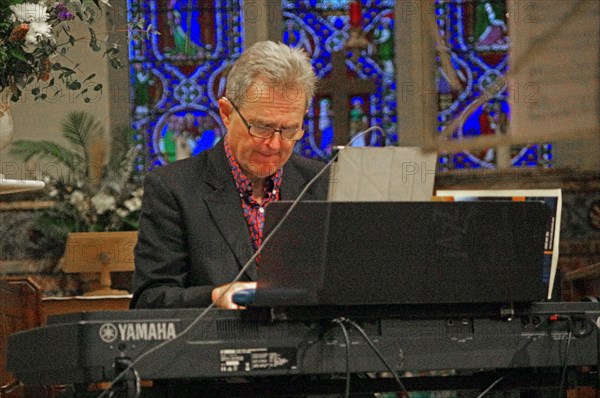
x,y
253,211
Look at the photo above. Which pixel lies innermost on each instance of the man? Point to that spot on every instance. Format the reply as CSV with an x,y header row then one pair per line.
x,y
202,217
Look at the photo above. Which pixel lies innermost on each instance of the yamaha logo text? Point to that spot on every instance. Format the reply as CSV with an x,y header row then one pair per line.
x,y
138,331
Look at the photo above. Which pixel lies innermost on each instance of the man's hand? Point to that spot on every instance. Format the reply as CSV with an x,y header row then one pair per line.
x,y
221,295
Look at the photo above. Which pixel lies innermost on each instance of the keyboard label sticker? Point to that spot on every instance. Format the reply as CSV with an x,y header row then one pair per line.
x,y
257,359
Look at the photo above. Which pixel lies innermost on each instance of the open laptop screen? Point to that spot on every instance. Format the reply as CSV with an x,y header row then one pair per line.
x,y
346,253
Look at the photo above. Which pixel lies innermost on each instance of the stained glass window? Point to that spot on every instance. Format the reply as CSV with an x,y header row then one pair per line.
x,y
361,86
476,32
177,76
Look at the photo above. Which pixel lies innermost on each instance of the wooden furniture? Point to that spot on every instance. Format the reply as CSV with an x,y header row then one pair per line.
x,y
19,310
102,252
65,305
582,282
22,307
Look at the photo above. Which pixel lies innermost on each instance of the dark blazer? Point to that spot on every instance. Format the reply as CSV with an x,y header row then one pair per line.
x,y
192,233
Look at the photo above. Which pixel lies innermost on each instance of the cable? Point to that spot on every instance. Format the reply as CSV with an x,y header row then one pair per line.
x,y
586,329
565,365
498,380
597,325
242,271
340,323
137,385
381,358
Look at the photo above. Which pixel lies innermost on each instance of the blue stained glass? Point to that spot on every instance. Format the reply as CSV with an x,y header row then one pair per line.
x,y
476,34
178,76
323,27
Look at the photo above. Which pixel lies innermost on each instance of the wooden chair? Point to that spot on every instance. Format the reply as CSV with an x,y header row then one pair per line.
x,y
20,309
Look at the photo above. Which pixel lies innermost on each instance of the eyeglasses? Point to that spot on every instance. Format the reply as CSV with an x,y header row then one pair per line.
x,y
264,132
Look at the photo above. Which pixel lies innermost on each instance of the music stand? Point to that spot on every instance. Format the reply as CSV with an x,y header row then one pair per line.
x,y
102,252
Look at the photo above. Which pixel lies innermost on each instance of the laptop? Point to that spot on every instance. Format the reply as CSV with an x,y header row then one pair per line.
x,y
370,174
378,253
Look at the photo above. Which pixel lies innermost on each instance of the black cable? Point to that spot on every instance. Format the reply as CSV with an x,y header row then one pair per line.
x,y
565,365
137,381
378,353
340,323
585,330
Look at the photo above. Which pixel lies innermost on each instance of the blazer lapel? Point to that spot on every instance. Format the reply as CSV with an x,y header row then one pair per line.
x,y
293,182
225,208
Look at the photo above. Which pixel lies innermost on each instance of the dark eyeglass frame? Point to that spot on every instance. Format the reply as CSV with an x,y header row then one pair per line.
x,y
286,134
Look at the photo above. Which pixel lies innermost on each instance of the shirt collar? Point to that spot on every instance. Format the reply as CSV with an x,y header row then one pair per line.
x,y
243,183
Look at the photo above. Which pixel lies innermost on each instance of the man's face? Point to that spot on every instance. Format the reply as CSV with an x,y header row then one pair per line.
x,y
267,106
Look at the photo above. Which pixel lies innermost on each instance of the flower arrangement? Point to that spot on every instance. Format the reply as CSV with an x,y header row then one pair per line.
x,y
33,35
94,191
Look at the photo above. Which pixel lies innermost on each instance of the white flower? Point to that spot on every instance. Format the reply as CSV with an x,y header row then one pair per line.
x,y
121,212
37,32
133,204
77,199
138,193
106,2
29,12
103,202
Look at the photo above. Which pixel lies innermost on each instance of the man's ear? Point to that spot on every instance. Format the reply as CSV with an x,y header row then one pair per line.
x,y
225,111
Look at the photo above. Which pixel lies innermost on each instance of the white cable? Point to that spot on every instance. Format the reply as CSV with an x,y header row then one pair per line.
x,y
498,380
242,271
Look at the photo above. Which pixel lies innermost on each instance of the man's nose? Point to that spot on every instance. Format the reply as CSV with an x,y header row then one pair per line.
x,y
274,141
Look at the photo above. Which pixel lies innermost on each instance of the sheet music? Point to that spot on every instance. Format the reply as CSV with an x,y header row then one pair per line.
x,y
369,174
554,68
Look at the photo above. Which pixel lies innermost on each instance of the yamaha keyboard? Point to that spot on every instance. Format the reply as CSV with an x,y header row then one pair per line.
x,y
86,347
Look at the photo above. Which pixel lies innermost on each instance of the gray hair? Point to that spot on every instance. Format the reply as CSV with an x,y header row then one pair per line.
x,y
275,64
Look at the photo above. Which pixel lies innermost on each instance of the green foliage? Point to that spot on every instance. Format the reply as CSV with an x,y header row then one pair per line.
x,y
27,150
78,129
29,58
110,202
